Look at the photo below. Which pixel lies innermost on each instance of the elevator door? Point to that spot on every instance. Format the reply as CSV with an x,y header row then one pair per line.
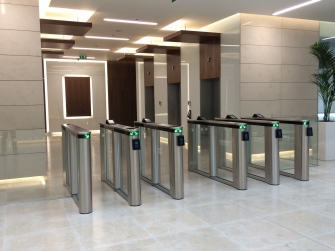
x,y
174,106
150,103
210,98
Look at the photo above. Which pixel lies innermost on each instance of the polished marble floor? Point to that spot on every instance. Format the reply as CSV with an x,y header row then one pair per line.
x,y
293,216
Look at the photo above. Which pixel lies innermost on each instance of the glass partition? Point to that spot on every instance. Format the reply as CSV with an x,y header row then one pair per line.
x,y
225,153
124,163
110,157
256,150
203,148
146,156
164,159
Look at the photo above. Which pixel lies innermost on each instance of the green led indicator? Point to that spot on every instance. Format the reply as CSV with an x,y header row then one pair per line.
x,y
133,133
82,56
306,123
178,131
275,125
243,127
87,136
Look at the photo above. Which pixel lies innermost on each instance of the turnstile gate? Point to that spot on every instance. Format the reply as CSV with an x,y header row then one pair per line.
x,y
77,173
268,173
208,141
301,131
162,157
119,157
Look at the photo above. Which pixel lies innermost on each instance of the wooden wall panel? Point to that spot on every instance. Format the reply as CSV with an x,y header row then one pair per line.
x,y
210,68
78,96
149,78
122,92
173,68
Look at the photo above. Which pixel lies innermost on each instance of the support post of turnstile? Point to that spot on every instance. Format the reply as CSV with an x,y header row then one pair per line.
x,y
213,157
73,164
176,167
65,155
239,149
301,153
103,153
271,156
134,185
155,145
85,176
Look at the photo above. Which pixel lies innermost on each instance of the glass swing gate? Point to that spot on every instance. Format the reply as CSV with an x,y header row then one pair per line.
x,y
293,147
218,150
162,157
262,150
77,170
119,157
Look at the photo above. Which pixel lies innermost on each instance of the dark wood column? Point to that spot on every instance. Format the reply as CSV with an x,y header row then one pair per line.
x,y
122,92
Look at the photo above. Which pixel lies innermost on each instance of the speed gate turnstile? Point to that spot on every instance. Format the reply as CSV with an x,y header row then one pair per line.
x,y
302,132
162,157
206,148
119,157
268,173
77,172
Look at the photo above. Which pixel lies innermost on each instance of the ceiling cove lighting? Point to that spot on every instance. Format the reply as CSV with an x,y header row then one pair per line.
x,y
110,38
328,38
90,49
126,50
75,57
129,21
230,45
295,7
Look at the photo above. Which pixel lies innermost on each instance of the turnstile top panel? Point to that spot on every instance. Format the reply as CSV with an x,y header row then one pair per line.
x,y
161,127
252,122
283,121
76,129
123,129
217,123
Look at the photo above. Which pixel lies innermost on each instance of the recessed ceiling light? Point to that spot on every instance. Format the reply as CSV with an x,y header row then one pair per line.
x,y
328,38
295,7
111,38
77,57
91,49
128,21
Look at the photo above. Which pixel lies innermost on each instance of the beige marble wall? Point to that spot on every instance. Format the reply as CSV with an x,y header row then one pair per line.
x,y
21,91
276,67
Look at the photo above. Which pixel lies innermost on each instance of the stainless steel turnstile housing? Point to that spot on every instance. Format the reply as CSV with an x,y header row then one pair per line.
x,y
77,171
162,141
301,146
119,155
239,151
271,169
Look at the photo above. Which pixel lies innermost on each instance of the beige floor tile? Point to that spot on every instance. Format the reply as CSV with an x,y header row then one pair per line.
x,y
326,239
305,222
298,245
110,233
327,210
168,222
218,213
140,245
257,233
199,239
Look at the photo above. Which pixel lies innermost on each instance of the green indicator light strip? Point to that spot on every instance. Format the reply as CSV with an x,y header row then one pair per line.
x,y
178,131
306,123
275,125
87,136
243,127
133,133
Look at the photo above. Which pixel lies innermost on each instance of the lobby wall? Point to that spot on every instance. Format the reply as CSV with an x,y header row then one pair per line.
x,y
22,125
276,66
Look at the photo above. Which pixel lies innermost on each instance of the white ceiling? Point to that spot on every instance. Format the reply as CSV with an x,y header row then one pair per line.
x,y
196,13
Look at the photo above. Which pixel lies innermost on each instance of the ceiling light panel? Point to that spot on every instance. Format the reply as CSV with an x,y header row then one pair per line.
x,y
54,36
108,38
126,50
295,7
90,49
129,21
68,14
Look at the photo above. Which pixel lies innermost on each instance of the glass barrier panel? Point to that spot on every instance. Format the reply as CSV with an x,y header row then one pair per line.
x,y
286,148
203,148
225,153
124,163
256,150
146,153
164,159
110,157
